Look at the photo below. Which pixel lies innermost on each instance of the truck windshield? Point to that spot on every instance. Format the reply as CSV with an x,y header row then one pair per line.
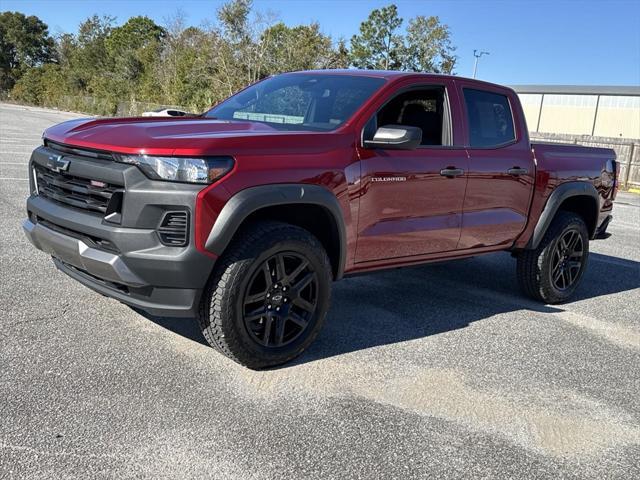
x,y
299,101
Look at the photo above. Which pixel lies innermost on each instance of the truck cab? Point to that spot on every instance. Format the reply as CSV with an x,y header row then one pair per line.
x,y
467,186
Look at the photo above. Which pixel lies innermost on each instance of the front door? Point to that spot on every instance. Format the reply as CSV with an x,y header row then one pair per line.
x,y
411,200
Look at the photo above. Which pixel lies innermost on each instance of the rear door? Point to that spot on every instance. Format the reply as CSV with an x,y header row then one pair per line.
x,y
501,167
408,206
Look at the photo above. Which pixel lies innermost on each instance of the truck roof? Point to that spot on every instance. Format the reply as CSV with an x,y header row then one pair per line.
x,y
393,74
368,73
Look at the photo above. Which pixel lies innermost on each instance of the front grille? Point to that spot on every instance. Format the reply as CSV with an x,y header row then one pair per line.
x,y
174,229
77,192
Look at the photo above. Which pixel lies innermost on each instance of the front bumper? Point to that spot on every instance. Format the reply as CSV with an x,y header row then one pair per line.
x,y
125,260
78,254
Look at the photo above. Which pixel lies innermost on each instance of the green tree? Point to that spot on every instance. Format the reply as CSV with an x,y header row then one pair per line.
x,y
339,57
24,43
136,33
302,47
65,47
240,51
429,46
30,88
186,68
88,55
424,47
234,20
194,72
39,85
379,45
132,49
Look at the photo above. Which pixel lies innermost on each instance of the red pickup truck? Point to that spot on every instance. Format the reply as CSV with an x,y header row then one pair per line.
x,y
243,216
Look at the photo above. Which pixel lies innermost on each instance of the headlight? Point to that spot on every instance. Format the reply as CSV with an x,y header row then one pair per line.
x,y
181,169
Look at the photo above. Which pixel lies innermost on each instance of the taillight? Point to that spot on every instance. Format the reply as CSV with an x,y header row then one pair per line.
x,y
616,176
610,176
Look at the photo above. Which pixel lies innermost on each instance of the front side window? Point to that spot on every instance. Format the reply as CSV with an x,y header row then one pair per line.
x,y
299,101
420,108
489,118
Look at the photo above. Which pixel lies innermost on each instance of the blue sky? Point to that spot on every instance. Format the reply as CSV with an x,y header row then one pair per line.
x,y
547,42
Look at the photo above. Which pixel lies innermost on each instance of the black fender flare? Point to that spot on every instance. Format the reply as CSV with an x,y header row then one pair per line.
x,y
559,195
247,201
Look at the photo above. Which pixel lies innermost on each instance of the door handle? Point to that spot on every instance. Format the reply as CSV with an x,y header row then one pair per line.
x,y
451,172
517,171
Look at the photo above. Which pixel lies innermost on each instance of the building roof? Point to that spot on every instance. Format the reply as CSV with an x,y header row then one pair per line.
x,y
579,89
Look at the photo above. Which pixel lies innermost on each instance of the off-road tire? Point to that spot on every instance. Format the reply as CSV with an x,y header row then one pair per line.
x,y
535,267
221,312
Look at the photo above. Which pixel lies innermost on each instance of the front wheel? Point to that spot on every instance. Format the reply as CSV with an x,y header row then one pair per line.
x,y
268,296
552,272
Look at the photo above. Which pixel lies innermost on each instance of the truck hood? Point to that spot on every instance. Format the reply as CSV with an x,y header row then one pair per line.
x,y
180,136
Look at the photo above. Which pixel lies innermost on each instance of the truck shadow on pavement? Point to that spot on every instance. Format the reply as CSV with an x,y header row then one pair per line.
x,y
406,304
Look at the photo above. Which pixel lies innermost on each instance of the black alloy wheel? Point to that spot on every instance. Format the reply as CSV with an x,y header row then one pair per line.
x,y
268,296
567,259
552,271
280,299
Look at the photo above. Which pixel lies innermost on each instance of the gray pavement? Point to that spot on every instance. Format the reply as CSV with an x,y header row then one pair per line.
x,y
440,371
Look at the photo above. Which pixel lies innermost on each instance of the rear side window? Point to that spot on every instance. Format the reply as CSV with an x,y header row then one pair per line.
x,y
489,118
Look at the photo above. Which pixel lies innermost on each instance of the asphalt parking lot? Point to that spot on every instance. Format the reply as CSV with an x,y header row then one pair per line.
x,y
440,371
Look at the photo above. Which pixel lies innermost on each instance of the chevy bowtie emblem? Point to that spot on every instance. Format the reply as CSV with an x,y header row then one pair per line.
x,y
57,163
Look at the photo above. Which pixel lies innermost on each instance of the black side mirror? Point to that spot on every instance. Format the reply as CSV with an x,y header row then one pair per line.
x,y
397,137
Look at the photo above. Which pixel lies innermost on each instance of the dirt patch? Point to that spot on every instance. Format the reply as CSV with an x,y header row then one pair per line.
x,y
557,423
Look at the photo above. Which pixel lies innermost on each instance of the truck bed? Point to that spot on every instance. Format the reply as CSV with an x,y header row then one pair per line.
x,y
572,161
558,163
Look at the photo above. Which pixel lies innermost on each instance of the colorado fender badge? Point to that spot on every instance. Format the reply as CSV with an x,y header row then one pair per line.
x,y
388,179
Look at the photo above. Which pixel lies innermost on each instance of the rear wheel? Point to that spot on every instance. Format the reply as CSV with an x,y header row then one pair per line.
x,y
268,296
552,272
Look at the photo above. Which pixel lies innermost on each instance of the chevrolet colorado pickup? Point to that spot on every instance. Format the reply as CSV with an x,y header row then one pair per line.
x,y
243,216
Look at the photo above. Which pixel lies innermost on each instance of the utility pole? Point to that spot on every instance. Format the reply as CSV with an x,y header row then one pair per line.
x,y
475,64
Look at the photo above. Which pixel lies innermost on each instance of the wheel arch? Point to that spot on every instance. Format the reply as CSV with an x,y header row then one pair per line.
x,y
578,197
309,206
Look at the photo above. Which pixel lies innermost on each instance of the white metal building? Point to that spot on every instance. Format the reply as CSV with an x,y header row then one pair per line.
x,y
601,111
